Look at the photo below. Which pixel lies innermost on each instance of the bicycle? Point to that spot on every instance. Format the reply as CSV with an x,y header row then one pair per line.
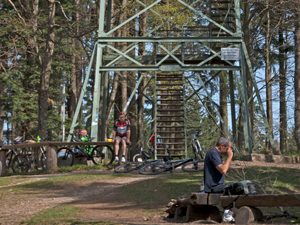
x,y
98,154
131,166
18,160
193,164
197,164
25,161
143,155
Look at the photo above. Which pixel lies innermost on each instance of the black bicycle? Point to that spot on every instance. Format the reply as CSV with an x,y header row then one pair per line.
x,y
193,164
143,155
98,154
17,158
136,165
198,163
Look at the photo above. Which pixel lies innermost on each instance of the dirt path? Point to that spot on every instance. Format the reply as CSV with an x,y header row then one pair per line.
x,y
96,199
15,208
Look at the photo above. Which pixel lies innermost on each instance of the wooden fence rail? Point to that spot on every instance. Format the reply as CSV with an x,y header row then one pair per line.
x,y
51,151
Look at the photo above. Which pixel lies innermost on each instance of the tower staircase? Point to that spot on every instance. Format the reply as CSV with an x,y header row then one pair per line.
x,y
170,113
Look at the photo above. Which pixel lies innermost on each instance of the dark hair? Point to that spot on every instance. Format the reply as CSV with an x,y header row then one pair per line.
x,y
223,141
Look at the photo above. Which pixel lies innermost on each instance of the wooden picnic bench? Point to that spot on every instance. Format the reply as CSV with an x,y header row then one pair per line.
x,y
203,206
51,151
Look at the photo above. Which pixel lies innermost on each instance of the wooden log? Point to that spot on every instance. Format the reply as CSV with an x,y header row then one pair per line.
x,y
213,199
180,212
199,198
261,200
51,157
246,215
205,212
184,202
2,163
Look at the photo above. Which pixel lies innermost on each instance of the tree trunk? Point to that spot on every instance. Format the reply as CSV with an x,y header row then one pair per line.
x,y
2,114
223,102
249,44
297,81
282,85
46,71
240,140
76,74
268,80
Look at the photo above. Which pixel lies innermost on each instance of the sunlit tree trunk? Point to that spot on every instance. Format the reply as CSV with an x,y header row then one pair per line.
x,y
268,79
46,72
297,80
282,87
223,102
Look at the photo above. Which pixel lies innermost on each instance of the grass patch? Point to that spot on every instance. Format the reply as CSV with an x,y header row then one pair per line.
x,y
11,180
161,189
57,215
57,182
63,214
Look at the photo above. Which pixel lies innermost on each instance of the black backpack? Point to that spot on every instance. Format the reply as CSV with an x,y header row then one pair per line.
x,y
244,187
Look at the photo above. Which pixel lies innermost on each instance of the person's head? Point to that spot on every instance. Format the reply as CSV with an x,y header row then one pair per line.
x,y
83,132
223,145
121,117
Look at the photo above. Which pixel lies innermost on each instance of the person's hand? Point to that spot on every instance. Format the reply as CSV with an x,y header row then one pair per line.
x,y
230,153
113,140
128,141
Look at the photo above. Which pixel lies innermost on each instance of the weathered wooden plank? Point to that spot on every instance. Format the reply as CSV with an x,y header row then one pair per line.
x,y
99,143
214,199
25,145
246,215
53,143
262,200
199,198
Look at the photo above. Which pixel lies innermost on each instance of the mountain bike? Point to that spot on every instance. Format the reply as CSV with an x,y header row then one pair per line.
x,y
193,164
143,155
18,159
98,154
11,153
27,157
197,164
136,165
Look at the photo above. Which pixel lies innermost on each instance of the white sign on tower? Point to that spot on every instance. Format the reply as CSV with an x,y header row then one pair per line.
x,y
230,54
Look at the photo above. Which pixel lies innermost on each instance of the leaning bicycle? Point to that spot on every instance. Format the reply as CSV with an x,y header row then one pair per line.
x,y
98,154
193,164
136,165
199,154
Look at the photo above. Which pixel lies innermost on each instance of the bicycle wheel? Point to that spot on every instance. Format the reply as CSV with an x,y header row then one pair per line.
x,y
138,158
20,164
43,160
193,166
154,168
65,157
102,154
127,167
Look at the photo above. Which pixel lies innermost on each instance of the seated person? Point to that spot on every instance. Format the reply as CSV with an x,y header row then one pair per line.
x,y
214,168
121,134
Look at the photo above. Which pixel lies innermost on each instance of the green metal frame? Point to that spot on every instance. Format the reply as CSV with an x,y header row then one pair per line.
x,y
121,60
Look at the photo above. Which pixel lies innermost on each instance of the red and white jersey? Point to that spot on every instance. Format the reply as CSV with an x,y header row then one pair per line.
x,y
121,128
